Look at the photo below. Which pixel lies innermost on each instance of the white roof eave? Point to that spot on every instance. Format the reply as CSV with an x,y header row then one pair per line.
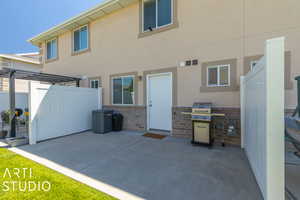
x,y
105,8
20,58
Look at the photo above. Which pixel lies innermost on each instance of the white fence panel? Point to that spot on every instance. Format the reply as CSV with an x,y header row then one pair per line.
x,y
21,101
262,101
60,110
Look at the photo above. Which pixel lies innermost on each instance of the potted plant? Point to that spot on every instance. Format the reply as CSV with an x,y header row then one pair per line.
x,y
5,120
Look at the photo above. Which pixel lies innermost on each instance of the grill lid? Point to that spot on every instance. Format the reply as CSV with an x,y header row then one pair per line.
x,y
202,105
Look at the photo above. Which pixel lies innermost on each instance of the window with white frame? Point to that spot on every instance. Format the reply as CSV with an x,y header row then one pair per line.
x,y
81,39
94,83
157,13
253,64
218,75
51,49
123,90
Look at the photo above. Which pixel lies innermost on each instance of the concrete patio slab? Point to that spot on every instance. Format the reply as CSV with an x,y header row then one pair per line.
x,y
154,169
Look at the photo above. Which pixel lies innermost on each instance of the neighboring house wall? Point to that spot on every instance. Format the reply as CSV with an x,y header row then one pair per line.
x,y
21,85
214,32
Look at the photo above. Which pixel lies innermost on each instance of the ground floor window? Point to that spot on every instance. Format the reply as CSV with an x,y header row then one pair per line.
x,y
94,84
218,75
123,90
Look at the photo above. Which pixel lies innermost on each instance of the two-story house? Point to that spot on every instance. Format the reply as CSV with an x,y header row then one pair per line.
x,y
154,58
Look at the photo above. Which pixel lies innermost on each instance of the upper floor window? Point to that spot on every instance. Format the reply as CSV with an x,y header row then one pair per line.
x,y
81,39
123,90
218,75
94,83
157,13
51,49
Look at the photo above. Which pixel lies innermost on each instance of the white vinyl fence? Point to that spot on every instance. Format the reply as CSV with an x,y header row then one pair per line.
x,y
60,110
262,113
21,101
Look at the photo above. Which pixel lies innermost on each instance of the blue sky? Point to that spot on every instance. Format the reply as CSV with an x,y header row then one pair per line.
x,y
22,19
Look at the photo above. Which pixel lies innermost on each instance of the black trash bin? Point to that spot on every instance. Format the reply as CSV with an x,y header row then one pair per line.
x,y
102,121
117,122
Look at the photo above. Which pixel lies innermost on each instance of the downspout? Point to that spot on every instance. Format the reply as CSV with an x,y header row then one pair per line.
x,y
298,92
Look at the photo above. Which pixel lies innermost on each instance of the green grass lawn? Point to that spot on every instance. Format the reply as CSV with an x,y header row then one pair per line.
x,y
62,187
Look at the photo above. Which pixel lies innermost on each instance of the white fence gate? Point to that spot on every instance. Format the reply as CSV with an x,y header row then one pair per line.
x,y
60,110
262,113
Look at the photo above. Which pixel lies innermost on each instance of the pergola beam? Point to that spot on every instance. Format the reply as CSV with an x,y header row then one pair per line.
x,y
13,74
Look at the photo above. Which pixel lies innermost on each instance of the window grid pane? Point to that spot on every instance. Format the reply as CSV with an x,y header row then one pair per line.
x,y
213,76
54,49
76,40
81,39
123,90
149,14
223,75
117,91
127,90
49,50
164,12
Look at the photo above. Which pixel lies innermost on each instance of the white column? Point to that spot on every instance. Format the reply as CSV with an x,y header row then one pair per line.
x,y
100,98
31,131
275,119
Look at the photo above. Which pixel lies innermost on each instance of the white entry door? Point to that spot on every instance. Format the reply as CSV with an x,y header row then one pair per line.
x,y
159,101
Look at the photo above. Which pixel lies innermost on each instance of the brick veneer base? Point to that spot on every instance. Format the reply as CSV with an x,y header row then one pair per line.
x,y
135,119
182,124
134,116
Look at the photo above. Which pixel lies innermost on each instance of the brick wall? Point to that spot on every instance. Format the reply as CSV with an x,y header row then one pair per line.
x,y
134,116
135,120
182,124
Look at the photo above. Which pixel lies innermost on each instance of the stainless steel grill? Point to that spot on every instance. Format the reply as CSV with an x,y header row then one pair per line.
x,y
201,116
201,112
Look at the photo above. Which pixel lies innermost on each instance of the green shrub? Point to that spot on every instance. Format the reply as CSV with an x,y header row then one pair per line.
x,y
5,116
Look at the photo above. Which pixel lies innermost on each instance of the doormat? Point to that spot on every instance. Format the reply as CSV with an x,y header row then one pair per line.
x,y
155,136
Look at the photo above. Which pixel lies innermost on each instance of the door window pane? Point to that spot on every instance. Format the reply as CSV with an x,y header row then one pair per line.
x,y
164,12
117,91
224,76
128,90
149,14
213,76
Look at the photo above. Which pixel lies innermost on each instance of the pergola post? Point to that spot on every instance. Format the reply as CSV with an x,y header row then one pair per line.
x,y
298,88
12,104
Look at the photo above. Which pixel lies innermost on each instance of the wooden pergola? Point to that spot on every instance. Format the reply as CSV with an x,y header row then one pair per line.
x,y
13,74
